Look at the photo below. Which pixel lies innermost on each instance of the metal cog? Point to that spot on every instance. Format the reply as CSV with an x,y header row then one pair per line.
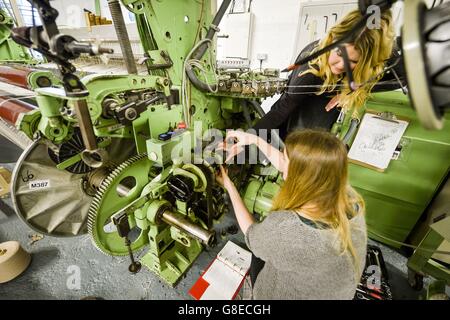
x,y
56,202
49,200
67,150
107,201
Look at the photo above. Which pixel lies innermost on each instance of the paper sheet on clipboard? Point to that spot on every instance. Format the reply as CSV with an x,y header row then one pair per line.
x,y
377,140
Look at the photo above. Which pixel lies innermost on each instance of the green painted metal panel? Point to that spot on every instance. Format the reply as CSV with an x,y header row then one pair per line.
x,y
9,50
397,197
176,30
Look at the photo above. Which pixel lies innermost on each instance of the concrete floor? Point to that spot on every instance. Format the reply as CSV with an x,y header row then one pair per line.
x,y
55,259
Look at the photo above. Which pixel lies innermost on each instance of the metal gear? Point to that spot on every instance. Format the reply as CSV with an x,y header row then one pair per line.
x,y
67,150
51,201
109,199
48,200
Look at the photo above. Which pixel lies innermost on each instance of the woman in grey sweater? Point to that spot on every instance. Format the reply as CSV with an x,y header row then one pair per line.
x,y
314,241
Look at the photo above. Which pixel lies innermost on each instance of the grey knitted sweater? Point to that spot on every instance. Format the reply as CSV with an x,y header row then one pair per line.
x,y
302,261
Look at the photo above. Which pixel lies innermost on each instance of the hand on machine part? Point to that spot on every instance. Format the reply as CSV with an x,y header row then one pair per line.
x,y
235,141
223,179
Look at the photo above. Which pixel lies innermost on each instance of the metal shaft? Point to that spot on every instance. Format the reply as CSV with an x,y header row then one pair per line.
x,y
122,35
11,108
17,76
181,222
85,123
122,190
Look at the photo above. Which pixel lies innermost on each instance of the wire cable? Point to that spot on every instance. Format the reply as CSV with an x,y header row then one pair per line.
x,y
410,245
185,97
17,99
189,64
333,88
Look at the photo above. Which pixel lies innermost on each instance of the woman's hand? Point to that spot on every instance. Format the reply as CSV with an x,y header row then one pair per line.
x,y
244,218
223,179
241,139
333,103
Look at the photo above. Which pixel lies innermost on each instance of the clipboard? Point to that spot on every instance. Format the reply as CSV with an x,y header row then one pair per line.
x,y
224,277
378,136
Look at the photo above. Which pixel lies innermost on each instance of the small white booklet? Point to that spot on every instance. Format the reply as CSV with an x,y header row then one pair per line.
x,y
235,257
224,277
376,140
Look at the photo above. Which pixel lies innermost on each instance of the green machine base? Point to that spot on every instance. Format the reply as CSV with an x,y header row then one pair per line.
x,y
173,263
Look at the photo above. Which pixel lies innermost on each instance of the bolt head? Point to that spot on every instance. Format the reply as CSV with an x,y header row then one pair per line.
x,y
153,156
130,114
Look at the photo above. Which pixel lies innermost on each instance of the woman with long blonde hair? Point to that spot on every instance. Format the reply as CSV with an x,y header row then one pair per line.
x,y
318,92
314,240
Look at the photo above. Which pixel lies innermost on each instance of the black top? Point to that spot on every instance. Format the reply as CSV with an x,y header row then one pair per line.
x,y
301,107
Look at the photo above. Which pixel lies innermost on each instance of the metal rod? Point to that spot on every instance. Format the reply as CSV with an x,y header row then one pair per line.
x,y
17,76
122,190
181,222
11,108
85,123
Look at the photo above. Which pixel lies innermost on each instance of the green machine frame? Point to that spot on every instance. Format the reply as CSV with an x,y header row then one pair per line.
x,y
9,50
432,238
135,194
423,262
396,199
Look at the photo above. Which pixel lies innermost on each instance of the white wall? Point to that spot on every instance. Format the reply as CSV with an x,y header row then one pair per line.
x,y
274,30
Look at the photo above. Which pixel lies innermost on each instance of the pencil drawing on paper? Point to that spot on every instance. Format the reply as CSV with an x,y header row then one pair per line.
x,y
378,142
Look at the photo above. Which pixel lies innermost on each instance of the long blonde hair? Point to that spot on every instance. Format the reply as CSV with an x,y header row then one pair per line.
x,y
373,45
317,175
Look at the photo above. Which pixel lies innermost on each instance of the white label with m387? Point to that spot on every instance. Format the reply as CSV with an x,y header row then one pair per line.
x,y
39,184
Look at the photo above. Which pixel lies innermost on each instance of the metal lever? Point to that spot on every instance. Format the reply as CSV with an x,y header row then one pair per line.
x,y
92,156
123,229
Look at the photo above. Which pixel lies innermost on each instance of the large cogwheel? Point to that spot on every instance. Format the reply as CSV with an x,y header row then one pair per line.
x,y
113,195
